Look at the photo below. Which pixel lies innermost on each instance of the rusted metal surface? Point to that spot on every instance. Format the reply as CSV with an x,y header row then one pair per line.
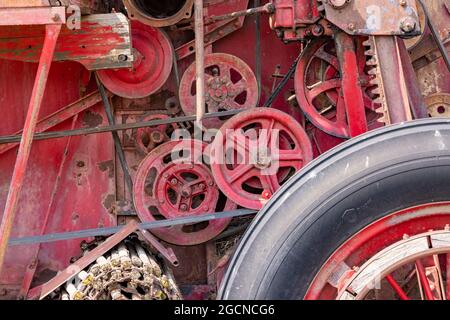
x,y
91,191
374,17
267,8
165,252
87,259
60,116
157,14
199,31
391,77
32,267
229,84
182,187
52,33
111,50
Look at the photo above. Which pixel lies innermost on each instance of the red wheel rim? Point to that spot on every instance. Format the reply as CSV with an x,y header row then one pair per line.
x,y
230,84
167,188
396,235
237,178
318,87
151,68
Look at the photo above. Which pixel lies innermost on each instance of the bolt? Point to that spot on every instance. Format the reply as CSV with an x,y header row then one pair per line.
x,y
122,57
80,164
56,17
351,27
183,207
266,195
202,186
403,3
408,25
174,181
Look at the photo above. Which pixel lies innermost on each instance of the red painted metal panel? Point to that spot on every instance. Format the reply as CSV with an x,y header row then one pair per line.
x,y
89,200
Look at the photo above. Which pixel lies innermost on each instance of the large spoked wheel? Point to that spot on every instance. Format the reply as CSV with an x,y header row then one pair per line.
x,y
368,220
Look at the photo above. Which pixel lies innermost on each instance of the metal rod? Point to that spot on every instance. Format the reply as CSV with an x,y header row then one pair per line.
x,y
267,8
111,230
199,60
18,176
115,135
417,102
258,48
394,284
422,277
117,127
435,34
31,270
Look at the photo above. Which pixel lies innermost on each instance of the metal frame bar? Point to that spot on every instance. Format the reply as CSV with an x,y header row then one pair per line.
x,y
351,86
18,177
32,16
199,30
87,259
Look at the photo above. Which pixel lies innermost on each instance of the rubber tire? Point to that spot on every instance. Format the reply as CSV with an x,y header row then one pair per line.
x,y
333,198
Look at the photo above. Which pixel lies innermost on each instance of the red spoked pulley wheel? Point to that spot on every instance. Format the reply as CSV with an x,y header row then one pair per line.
x,y
153,61
150,137
255,152
318,87
173,182
230,84
405,255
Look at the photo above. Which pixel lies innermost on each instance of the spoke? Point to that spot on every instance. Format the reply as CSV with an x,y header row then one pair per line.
x,y
290,155
397,288
266,136
321,87
327,57
232,105
240,172
270,182
424,280
225,70
239,141
239,87
341,115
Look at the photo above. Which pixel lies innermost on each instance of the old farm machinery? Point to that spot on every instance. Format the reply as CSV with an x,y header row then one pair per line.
x,y
141,138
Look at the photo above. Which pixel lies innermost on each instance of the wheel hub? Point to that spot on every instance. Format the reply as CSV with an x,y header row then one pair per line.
x,y
170,186
230,84
256,152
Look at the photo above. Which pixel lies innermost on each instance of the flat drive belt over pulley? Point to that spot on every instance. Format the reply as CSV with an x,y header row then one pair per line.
x,y
257,151
173,182
153,62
